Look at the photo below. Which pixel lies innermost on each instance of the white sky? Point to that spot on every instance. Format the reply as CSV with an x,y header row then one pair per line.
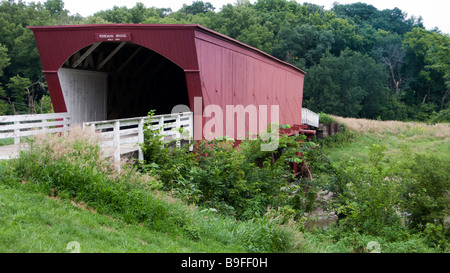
x,y
433,12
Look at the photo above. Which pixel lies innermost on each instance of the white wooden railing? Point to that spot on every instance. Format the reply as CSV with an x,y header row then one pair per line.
x,y
310,118
126,134
18,126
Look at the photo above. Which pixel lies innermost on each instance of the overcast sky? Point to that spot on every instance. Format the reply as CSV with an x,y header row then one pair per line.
x,y
433,12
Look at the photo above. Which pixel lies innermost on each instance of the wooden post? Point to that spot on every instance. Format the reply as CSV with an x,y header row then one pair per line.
x,y
16,133
92,127
116,143
44,125
177,128
161,123
140,138
191,130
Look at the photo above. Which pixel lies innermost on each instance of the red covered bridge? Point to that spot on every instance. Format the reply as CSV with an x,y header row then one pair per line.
x,y
116,71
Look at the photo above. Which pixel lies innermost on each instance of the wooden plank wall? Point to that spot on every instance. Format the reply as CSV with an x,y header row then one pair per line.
x,y
85,94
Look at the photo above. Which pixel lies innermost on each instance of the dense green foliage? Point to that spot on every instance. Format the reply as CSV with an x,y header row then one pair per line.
x,y
242,182
360,61
390,187
397,202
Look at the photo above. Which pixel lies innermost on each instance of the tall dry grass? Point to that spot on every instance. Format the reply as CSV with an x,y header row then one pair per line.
x,y
360,125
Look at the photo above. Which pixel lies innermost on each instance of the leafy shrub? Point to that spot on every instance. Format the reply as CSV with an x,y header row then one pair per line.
x,y
241,182
326,119
439,117
427,196
368,197
424,111
343,137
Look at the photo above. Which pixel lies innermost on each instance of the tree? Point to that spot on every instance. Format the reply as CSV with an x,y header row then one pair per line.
x,y
388,50
358,11
55,7
346,35
427,62
258,36
197,7
394,20
4,62
303,45
438,58
16,96
138,13
233,20
117,15
4,59
351,85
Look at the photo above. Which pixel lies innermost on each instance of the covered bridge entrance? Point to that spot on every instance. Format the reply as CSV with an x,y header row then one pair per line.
x,y
112,80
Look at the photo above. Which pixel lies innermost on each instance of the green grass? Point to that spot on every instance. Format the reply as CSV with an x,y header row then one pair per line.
x,y
6,141
34,223
402,139
398,146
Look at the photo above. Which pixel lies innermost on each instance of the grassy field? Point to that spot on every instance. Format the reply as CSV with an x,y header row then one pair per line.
x,y
402,139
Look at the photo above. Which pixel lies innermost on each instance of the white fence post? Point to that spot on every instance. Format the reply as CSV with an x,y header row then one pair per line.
x,y
116,141
161,123
16,133
140,138
177,128
191,130
191,126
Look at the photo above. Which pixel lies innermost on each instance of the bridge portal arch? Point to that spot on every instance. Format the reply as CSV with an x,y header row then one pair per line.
x,y
112,80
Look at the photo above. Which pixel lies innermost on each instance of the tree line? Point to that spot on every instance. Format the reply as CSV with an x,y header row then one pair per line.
x,y
360,61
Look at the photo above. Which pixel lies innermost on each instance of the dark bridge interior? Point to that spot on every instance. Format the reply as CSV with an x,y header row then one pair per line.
x,y
139,79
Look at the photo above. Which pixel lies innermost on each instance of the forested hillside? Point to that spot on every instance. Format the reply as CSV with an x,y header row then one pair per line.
x,y
360,61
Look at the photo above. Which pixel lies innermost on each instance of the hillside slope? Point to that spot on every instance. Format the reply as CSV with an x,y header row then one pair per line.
x,y
34,223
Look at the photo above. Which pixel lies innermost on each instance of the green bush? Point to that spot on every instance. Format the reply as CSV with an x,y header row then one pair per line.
x,y
242,182
343,137
326,119
368,197
424,111
427,198
440,117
